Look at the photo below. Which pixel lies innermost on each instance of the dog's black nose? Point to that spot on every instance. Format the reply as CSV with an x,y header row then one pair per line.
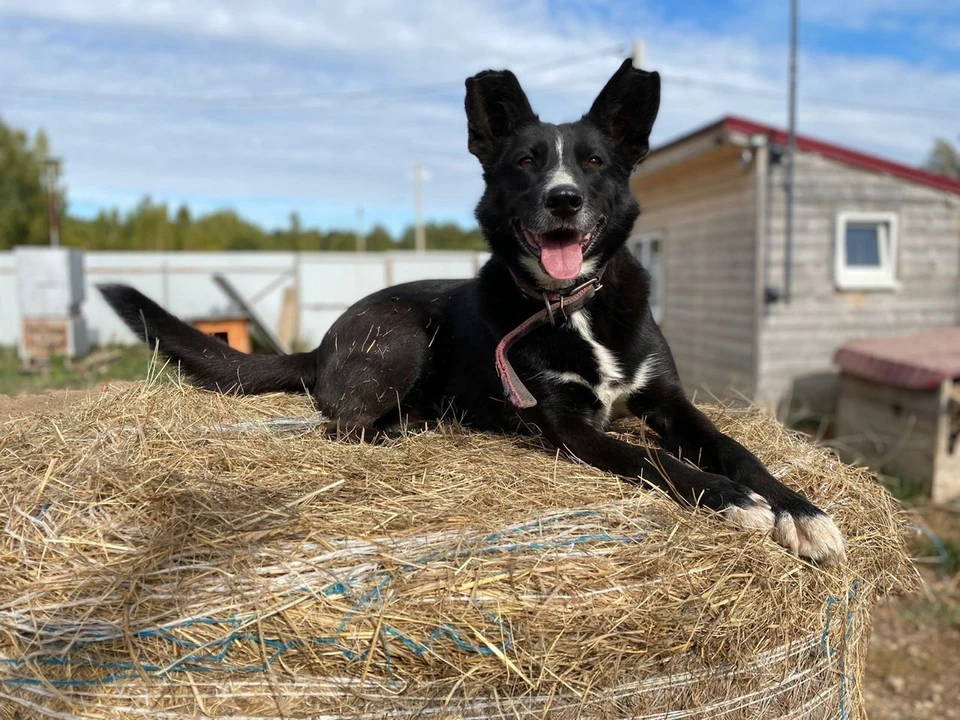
x,y
564,201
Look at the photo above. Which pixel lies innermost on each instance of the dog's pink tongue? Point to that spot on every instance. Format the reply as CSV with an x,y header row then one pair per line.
x,y
562,259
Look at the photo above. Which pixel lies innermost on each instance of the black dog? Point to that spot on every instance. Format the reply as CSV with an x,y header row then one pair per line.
x,y
554,335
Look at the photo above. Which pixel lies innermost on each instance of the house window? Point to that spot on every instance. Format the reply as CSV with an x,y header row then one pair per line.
x,y
865,255
648,249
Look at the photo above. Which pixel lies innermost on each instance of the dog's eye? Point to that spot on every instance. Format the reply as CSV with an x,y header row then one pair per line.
x,y
593,163
526,162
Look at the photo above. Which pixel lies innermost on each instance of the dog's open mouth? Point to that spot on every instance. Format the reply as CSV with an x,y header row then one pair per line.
x,y
560,251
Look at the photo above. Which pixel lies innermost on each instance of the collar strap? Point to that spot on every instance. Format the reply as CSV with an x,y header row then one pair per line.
x,y
514,389
550,296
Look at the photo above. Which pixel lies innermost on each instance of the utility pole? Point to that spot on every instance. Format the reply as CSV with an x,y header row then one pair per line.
x,y
419,236
52,166
791,155
361,238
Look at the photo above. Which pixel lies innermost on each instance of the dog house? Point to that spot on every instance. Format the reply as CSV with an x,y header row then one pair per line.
x,y
234,330
50,290
899,407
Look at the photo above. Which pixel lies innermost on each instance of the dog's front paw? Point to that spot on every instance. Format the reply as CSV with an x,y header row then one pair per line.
x,y
811,535
751,512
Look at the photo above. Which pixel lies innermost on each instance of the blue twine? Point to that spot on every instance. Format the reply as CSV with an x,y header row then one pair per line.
x,y
824,647
941,550
211,661
194,662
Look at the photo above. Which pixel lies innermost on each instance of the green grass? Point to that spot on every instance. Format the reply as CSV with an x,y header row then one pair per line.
x,y
926,611
130,364
906,491
946,552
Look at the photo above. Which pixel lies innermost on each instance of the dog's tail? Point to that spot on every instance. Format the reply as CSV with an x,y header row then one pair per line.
x,y
208,362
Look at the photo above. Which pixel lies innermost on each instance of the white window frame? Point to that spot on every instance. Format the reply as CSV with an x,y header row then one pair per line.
x,y
643,241
867,278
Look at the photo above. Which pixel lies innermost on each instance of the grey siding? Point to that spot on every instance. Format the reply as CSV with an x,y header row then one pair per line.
x,y
704,207
894,430
797,341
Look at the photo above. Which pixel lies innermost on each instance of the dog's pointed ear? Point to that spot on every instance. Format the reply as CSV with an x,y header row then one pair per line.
x,y
626,108
496,106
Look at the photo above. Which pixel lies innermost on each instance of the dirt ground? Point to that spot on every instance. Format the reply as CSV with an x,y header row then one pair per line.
x,y
913,671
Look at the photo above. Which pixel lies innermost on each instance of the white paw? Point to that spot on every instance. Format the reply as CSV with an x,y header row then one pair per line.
x,y
757,516
814,537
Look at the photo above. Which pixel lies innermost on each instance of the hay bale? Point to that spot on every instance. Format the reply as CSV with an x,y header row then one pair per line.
x,y
172,553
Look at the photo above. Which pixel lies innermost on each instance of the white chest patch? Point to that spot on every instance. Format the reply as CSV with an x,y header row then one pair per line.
x,y
614,386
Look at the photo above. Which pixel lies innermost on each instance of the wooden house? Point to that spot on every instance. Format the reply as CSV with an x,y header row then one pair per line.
x,y
875,251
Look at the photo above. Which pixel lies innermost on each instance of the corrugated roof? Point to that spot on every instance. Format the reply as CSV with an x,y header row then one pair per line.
x,y
921,361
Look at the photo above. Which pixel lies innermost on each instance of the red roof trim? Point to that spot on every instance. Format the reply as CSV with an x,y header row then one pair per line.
x,y
845,155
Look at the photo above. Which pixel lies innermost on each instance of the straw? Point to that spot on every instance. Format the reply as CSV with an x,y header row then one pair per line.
x,y
173,553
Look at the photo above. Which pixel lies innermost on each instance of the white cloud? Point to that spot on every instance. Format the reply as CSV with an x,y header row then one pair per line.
x,y
324,150
864,14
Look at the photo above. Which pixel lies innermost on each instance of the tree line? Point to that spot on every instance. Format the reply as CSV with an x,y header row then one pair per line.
x,y
155,226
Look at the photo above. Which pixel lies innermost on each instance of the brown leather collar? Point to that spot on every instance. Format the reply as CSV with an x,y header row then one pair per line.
x,y
554,302
551,298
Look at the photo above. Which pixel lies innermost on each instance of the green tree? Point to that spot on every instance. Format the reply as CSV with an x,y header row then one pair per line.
x,y
311,240
291,238
444,236
181,228
149,226
379,239
23,196
340,241
226,230
944,159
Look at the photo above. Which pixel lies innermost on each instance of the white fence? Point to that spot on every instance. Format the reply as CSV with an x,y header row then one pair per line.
x,y
328,283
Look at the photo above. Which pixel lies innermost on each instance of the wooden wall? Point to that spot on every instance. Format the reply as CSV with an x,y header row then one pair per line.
x,y
704,207
892,429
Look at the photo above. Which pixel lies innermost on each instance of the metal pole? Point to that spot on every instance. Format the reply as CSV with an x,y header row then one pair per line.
x,y
420,236
791,156
165,277
53,218
361,238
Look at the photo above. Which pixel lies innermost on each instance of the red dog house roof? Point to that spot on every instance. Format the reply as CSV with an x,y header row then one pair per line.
x,y
920,361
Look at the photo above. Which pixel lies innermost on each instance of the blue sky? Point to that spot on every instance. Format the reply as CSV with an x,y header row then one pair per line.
x,y
323,108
